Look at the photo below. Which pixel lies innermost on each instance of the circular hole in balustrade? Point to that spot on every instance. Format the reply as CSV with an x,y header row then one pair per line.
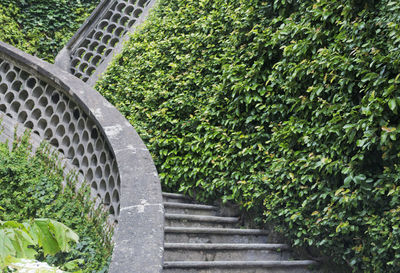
x,y
103,186
108,52
54,142
5,67
22,117
23,95
101,49
36,114
124,21
60,131
55,98
71,128
93,186
29,104
103,158
129,9
75,139
42,124
71,153
54,121
60,109
81,125
29,124
85,162
115,196
85,136
15,106
120,7
93,160
98,173
111,210
111,183
9,97
3,108
98,35
107,198
119,31
66,118
107,16
31,83
107,170
50,90
89,148
89,174
43,101
137,13
37,92
16,86
131,23
48,134
94,134
3,88
90,71
76,113
10,76
49,111
23,75
75,162
99,144
80,151
66,141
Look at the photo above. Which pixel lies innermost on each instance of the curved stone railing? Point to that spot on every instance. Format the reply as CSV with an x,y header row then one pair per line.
x,y
95,138
90,50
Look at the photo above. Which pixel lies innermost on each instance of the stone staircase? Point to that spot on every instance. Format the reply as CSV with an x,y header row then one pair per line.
x,y
200,238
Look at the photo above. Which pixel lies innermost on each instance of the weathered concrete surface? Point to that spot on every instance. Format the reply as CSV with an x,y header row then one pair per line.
x,y
28,84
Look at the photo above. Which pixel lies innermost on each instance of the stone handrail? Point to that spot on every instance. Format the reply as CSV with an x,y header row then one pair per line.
x,y
89,51
98,142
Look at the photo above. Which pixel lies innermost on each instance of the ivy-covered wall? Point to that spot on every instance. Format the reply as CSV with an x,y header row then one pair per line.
x,y
290,108
42,27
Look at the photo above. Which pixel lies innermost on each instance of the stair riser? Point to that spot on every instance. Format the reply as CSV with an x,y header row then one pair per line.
x,y
203,224
176,200
238,270
191,211
215,238
224,255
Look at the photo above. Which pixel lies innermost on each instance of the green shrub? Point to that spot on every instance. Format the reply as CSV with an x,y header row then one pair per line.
x,y
30,187
290,108
42,27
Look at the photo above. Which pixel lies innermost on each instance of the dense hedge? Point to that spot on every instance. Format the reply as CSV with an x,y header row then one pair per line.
x,y
30,187
42,27
290,106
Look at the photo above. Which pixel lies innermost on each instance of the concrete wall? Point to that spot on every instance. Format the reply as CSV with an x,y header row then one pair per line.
x,y
99,143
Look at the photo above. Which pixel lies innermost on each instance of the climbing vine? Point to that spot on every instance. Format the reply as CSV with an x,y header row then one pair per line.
x,y
42,27
290,108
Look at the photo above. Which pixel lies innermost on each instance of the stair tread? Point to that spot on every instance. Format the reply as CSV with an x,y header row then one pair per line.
x,y
224,246
189,206
198,230
175,195
214,264
203,218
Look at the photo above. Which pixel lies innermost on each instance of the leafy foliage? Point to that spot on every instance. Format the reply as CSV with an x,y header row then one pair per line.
x,y
17,239
290,108
30,187
42,27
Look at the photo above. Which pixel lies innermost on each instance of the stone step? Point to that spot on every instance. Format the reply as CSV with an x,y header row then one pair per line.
x,y
225,252
215,235
302,266
184,220
176,198
185,208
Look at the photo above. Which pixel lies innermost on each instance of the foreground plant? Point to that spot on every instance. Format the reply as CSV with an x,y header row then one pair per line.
x,y
23,240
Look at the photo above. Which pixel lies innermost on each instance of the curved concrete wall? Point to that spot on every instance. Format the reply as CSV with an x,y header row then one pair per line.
x,y
95,138
90,50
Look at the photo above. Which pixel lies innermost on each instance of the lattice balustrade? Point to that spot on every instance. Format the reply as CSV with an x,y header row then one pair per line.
x,y
101,38
53,116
